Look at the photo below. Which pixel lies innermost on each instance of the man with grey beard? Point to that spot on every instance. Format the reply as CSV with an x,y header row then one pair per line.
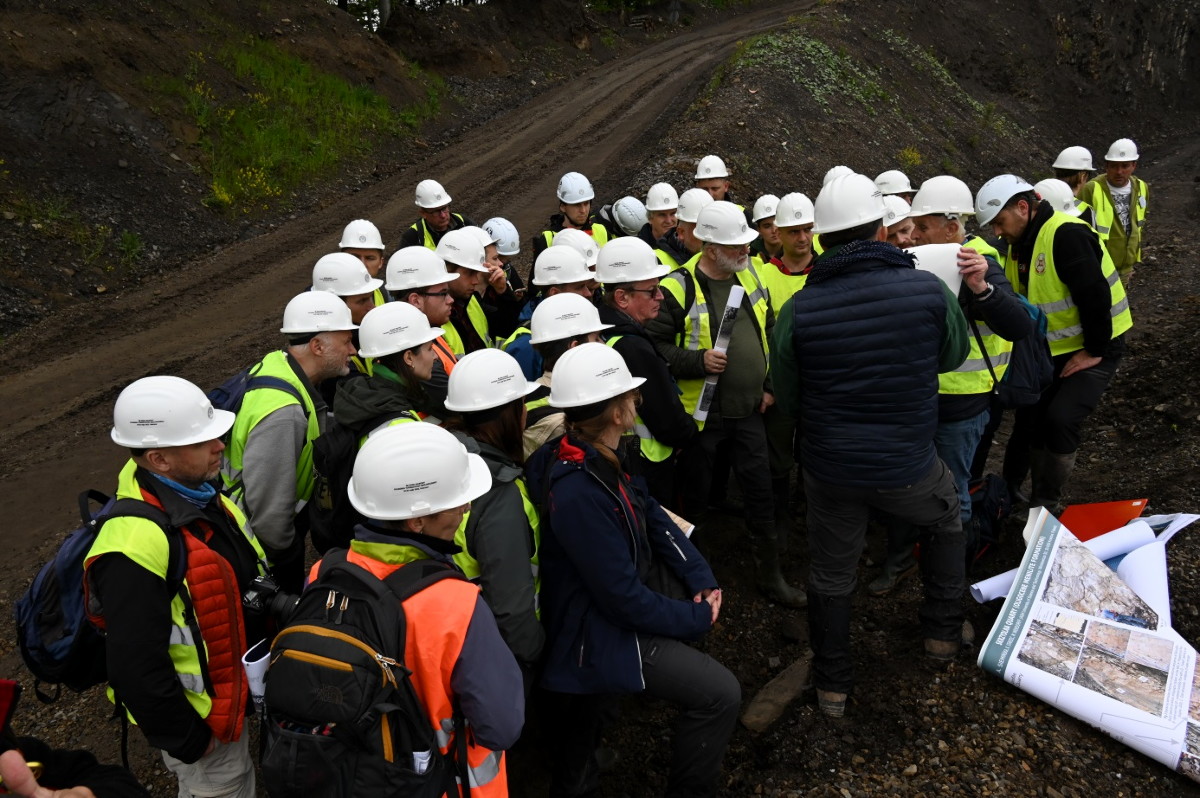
x,y
695,296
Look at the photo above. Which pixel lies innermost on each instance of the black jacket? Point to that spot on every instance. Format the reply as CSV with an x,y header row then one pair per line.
x,y
661,409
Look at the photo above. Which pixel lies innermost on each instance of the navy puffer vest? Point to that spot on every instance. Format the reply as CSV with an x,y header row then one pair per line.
x,y
867,340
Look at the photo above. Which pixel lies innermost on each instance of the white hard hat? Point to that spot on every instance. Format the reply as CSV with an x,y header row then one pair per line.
x,y
794,210
662,197
837,171
560,265
563,316
895,210
1077,158
845,202
316,312
156,412
485,379
415,470
1058,194
579,241
945,195
590,373
485,237
462,248
430,194
343,274
690,203
724,223
1122,151
416,267
630,215
504,232
628,260
711,166
764,208
361,234
893,181
574,188
995,194
394,327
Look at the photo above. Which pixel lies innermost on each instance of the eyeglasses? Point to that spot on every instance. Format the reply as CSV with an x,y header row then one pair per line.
x,y
656,291
443,293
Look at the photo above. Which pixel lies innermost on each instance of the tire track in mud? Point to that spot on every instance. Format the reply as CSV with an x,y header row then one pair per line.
x,y
221,312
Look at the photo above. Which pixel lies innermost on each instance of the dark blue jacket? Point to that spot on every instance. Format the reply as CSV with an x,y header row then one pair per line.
x,y
861,347
600,535
521,349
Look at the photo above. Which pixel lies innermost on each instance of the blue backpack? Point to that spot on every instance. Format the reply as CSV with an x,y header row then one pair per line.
x,y
229,394
58,642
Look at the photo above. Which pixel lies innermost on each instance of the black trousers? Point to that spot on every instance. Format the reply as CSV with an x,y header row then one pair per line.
x,y
837,527
708,697
747,442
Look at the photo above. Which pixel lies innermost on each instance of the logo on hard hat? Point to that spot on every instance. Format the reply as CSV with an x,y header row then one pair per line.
x,y
503,378
362,239
992,203
319,312
608,372
1041,263
620,264
210,411
414,486
743,227
398,329
568,316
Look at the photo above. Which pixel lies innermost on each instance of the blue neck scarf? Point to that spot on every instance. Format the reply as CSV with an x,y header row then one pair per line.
x,y
200,496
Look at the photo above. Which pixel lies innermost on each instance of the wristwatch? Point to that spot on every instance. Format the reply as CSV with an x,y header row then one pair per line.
x,y
987,292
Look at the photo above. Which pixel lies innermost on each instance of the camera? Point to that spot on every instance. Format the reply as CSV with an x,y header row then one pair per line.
x,y
265,598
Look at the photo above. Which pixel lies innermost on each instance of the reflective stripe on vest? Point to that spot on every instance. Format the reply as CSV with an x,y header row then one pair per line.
x,y
652,449
259,403
1046,290
470,566
142,542
438,619
697,331
666,259
973,376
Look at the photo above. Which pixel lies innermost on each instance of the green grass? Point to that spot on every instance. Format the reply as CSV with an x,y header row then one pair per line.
x,y
830,76
292,125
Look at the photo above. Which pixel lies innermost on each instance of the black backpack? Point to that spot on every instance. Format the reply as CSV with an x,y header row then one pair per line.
x,y
59,644
990,506
1031,366
342,715
331,516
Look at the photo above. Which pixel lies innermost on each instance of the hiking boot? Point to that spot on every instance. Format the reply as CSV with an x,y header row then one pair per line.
x,y
832,705
888,580
947,650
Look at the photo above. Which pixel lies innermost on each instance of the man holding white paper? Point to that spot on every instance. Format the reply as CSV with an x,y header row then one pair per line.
x,y
855,357
686,332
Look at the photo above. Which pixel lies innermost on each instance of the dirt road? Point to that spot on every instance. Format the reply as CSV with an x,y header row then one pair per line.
x,y
219,314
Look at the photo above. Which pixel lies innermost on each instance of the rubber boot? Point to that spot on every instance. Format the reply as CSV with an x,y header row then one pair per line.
x,y
829,636
768,575
1049,479
780,488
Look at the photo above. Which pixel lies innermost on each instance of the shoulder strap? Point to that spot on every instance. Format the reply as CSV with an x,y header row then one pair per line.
x,y
983,351
136,508
279,384
414,577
